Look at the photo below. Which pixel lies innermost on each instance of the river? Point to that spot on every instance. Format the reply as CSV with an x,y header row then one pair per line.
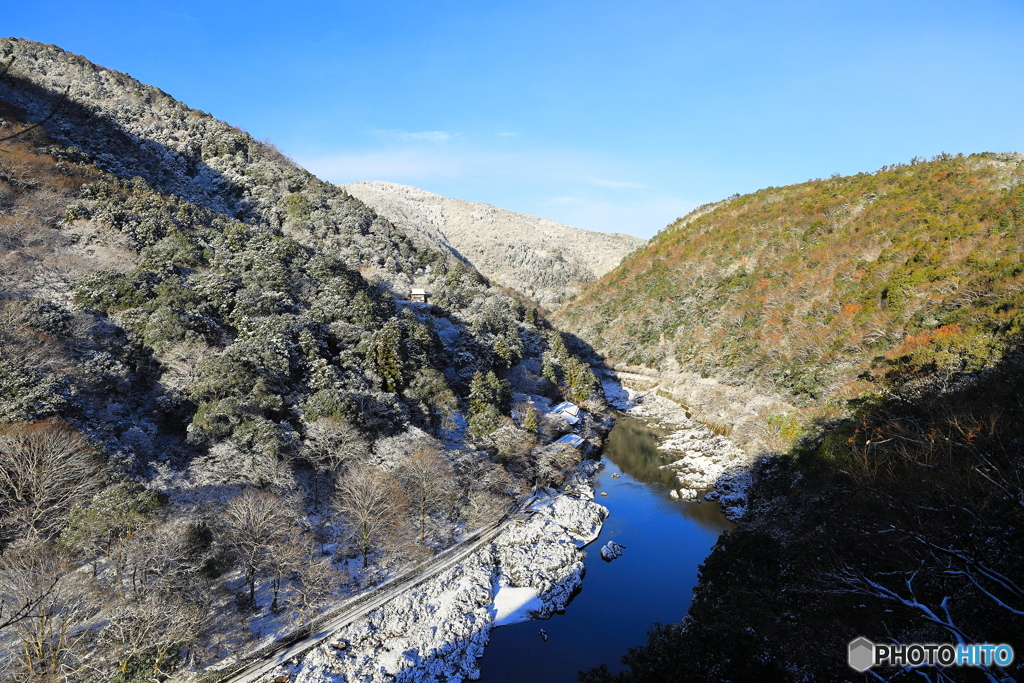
x,y
665,542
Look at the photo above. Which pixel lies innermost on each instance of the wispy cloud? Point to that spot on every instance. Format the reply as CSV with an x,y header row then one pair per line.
x,y
565,200
616,184
507,134
399,165
433,136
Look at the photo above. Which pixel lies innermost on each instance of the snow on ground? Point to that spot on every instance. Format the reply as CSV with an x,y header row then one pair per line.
x,y
448,331
514,605
437,630
618,396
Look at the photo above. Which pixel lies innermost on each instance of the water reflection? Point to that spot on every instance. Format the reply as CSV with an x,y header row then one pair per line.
x,y
665,542
632,446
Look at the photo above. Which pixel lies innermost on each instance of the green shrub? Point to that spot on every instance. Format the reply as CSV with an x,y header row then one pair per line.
x,y
484,422
107,290
113,513
296,207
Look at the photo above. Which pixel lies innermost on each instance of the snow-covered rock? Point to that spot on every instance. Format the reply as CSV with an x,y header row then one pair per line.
x,y
513,605
611,551
437,630
731,494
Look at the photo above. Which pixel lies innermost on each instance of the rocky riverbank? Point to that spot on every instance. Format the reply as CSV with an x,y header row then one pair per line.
x,y
743,409
438,629
707,465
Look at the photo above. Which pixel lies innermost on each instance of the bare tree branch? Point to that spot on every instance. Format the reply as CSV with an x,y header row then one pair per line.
x,y
371,501
45,469
256,522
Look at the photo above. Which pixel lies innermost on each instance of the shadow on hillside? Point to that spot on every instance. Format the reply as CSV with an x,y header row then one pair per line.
x,y
908,518
103,141
583,349
616,395
118,151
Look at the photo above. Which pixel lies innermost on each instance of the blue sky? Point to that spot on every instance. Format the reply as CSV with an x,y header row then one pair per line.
x,y
604,115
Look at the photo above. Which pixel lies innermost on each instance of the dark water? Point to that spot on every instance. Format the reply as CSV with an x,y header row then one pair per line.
x,y
665,542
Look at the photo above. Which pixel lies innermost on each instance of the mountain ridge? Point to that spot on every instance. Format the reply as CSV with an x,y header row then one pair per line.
x,y
546,260
885,313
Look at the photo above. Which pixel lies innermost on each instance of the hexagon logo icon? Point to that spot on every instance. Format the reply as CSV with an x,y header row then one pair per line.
x,y
861,655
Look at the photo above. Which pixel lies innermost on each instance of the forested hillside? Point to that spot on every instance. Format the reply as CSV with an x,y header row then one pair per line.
x,y
903,523
799,288
219,412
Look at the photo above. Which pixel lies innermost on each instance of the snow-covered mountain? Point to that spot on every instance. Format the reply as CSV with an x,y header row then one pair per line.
x,y
545,260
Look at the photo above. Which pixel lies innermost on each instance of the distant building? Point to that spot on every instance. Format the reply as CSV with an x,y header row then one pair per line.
x,y
418,294
570,412
573,440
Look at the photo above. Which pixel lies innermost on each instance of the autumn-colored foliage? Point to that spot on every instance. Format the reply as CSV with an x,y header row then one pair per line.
x,y
800,287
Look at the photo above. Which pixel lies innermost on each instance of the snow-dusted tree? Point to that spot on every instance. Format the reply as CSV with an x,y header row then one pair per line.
x,y
317,584
113,515
550,368
44,604
396,351
384,355
45,469
332,444
515,446
372,503
561,367
426,479
430,388
313,578
255,522
488,488
554,462
167,556
486,389
489,399
582,383
530,417
228,463
146,629
495,326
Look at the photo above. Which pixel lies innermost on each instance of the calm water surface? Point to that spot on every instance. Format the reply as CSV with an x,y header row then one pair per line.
x,y
665,542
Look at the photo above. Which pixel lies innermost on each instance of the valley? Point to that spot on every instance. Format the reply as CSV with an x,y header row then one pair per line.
x,y
234,396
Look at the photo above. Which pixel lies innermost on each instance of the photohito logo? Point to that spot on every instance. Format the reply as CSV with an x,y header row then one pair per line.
x,y
863,654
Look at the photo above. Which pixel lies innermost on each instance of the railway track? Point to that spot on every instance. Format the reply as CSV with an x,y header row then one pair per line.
x,y
297,643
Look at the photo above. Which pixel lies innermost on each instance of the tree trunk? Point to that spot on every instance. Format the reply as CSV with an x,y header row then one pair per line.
x,y
250,577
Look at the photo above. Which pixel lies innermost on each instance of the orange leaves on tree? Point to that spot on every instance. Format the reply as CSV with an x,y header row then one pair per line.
x,y
925,338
